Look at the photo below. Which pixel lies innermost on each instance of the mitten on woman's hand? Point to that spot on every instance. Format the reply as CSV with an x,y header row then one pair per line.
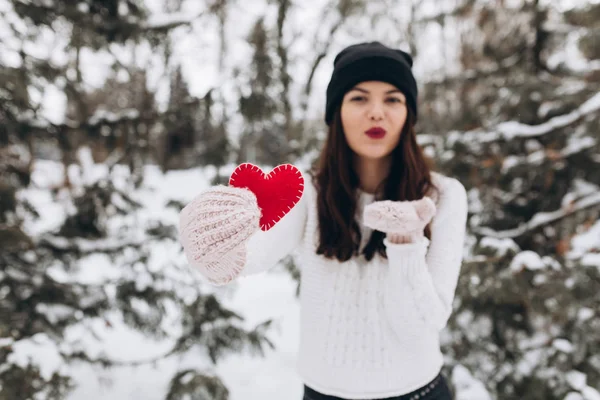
x,y
403,221
214,229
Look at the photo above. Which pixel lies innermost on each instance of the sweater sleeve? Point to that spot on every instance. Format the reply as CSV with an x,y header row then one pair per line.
x,y
424,275
265,249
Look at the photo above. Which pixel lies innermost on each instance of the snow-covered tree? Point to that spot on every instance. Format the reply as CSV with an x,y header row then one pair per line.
x,y
88,241
523,120
53,318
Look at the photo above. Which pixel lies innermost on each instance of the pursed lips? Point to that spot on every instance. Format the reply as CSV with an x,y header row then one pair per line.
x,y
376,132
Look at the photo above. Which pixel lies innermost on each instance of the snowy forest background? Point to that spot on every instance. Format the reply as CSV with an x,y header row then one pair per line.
x,y
115,113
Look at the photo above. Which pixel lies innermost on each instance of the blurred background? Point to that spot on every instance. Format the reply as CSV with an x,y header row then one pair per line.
x,y
116,113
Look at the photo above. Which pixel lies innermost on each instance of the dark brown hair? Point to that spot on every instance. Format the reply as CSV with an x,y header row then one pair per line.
x,y
336,182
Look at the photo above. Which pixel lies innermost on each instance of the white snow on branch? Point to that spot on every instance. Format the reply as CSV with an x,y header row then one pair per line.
x,y
576,379
512,129
589,393
131,239
40,351
467,386
165,21
563,345
542,218
106,116
536,158
502,246
527,259
573,396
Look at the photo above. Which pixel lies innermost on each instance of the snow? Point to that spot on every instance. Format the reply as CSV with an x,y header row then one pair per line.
x,y
543,218
54,212
526,259
157,21
258,298
563,345
270,295
40,351
576,379
592,260
570,57
54,104
55,312
584,314
502,246
512,129
537,340
510,162
95,67
467,387
102,115
148,381
196,48
474,200
530,360
95,269
586,246
589,393
583,188
577,145
262,297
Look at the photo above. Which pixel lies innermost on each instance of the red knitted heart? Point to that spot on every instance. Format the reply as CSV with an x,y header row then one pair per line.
x,y
277,192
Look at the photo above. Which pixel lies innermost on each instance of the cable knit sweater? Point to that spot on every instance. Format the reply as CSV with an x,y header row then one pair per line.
x,y
370,329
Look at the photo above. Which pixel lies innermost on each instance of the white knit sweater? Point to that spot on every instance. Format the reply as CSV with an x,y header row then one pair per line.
x,y
370,329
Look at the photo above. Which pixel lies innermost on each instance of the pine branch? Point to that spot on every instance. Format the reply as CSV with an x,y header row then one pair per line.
x,y
84,247
509,130
504,67
161,22
108,362
512,129
543,219
222,338
460,10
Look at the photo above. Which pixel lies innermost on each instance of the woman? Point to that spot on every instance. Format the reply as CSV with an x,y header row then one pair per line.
x,y
379,239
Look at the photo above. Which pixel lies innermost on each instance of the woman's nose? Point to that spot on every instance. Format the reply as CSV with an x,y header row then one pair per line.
x,y
376,112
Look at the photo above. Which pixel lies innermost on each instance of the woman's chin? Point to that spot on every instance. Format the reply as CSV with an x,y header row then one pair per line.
x,y
374,155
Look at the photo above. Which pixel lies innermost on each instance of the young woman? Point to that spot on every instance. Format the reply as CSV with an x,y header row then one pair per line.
x,y
379,238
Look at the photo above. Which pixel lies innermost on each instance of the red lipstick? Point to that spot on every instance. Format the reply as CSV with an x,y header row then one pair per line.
x,y
375,132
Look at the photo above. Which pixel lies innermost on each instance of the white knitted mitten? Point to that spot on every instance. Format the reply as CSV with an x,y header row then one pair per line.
x,y
403,221
214,229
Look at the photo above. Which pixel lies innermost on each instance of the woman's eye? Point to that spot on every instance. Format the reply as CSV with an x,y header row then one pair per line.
x,y
395,100
357,98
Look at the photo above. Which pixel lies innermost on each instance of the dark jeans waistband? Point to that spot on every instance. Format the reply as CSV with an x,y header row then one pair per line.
x,y
436,389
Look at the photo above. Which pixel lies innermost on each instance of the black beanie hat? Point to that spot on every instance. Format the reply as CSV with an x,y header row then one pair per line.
x,y
371,61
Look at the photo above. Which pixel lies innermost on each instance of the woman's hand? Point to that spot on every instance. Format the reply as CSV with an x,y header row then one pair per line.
x,y
403,221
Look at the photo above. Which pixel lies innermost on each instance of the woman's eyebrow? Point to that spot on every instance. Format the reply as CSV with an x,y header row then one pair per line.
x,y
388,92
394,91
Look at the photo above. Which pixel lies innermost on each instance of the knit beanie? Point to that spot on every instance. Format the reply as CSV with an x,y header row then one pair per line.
x,y
370,61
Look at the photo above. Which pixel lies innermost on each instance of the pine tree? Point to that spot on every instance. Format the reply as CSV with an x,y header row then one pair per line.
x,y
523,138
41,300
264,139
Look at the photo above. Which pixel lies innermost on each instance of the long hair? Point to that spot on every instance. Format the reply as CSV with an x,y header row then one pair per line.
x,y
336,181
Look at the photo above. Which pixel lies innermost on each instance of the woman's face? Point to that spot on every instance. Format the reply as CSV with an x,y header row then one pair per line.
x,y
373,114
